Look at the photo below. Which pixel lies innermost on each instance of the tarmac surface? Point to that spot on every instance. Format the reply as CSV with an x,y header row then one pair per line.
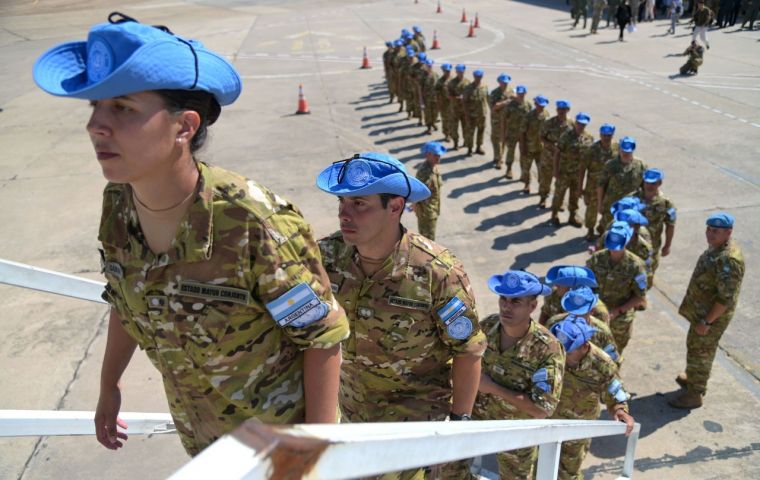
x,y
703,131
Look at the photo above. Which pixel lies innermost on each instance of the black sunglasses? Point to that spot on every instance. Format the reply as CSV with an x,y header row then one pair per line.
x,y
357,156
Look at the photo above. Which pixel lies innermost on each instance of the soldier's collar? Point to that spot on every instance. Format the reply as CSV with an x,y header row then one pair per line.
x,y
195,233
401,255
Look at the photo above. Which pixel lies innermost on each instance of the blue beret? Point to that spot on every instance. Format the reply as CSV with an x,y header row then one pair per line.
x,y
429,62
541,100
433,147
632,216
653,175
371,173
460,67
422,55
618,236
607,129
572,332
521,89
720,220
477,73
409,50
563,104
417,29
388,44
571,276
404,32
517,283
503,78
626,203
446,67
583,118
628,144
579,301
398,42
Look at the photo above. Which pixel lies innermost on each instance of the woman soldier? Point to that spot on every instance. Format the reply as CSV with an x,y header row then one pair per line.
x,y
216,277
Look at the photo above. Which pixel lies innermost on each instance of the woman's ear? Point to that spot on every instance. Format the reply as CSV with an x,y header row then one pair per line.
x,y
188,121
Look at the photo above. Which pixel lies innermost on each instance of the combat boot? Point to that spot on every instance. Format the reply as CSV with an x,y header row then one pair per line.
x,y
479,150
590,236
469,151
573,221
688,400
542,202
682,380
456,145
526,189
509,174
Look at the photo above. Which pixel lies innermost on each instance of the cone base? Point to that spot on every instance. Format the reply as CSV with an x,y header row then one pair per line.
x,y
303,113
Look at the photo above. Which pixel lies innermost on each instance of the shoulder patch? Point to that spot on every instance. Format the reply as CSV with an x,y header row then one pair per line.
x,y
611,351
451,311
298,307
641,281
616,390
672,214
460,329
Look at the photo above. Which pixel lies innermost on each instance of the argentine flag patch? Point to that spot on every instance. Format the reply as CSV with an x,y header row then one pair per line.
x,y
540,380
641,281
457,326
611,351
298,307
616,390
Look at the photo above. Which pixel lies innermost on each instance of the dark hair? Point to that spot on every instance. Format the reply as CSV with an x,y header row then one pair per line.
x,y
386,197
201,102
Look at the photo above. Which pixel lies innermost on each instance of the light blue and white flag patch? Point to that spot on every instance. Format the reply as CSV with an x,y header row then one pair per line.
x,y
641,281
298,307
611,351
540,379
616,390
452,310
672,214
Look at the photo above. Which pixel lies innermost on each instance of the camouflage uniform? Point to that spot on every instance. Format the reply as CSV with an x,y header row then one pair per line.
x,y
387,57
641,246
430,99
415,93
593,163
595,378
535,366
497,121
598,7
660,211
617,284
717,278
419,42
457,115
515,114
441,93
553,306
602,338
572,149
617,181
696,55
400,62
552,131
476,106
201,310
428,210
534,122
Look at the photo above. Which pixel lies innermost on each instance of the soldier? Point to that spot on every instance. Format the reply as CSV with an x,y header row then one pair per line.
x,y
702,19
198,260
696,55
497,100
709,305
660,212
751,8
522,367
430,97
428,210
419,39
552,130
475,98
579,304
399,66
590,378
442,96
581,8
457,114
386,68
563,278
641,239
416,72
621,176
534,123
598,8
622,281
572,147
590,172
392,71
405,66
414,352
515,114
611,10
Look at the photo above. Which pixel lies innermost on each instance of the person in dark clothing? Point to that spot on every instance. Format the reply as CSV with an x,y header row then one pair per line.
x,y
623,16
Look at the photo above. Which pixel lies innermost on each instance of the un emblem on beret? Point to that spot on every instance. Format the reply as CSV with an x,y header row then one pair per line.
x,y
358,173
512,281
460,328
99,61
578,300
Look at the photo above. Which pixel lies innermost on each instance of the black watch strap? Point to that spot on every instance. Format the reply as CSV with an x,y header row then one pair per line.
x,y
455,418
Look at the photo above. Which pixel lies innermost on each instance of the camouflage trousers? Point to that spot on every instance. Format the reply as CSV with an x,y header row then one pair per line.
x,y
445,122
413,103
474,122
622,329
526,163
571,459
497,141
391,84
545,173
456,118
700,354
399,90
518,464
426,224
511,143
597,15
690,66
564,183
589,198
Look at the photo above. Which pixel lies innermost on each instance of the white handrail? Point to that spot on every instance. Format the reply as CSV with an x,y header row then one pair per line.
x,y
38,423
27,276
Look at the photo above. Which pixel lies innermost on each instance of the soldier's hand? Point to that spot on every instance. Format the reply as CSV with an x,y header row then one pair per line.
x,y
106,419
621,416
701,329
666,251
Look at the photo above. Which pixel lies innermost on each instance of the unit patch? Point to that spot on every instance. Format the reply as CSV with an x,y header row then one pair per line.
x,y
298,307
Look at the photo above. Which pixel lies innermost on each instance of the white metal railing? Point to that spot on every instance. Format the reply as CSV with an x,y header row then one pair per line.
x,y
257,451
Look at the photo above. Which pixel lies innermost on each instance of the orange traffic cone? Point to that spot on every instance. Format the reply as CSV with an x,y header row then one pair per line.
x,y
464,17
365,60
435,45
439,9
303,105
477,22
471,33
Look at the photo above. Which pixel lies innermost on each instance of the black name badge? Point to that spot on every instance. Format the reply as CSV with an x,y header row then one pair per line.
x,y
214,292
408,303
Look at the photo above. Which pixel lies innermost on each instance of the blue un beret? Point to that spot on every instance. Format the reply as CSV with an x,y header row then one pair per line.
x,y
433,147
446,67
563,104
571,276
653,175
632,216
607,129
618,236
579,301
417,29
517,283
521,89
626,203
371,173
477,73
720,220
422,55
583,118
572,332
628,144
541,100
460,67
503,78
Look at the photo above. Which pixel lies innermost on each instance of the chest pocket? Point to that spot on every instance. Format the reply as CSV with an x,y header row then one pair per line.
x,y
512,373
408,329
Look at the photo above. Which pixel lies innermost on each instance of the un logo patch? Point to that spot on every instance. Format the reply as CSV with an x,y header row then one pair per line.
x,y
512,281
578,300
460,328
358,173
99,61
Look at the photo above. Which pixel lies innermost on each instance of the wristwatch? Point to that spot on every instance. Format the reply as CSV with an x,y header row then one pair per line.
x,y
453,417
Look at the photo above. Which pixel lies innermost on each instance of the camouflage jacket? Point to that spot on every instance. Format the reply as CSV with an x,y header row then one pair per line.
x,y
441,91
595,378
455,89
553,130
619,180
618,282
428,88
516,116
534,365
640,245
595,159
572,148
534,123
431,177
208,312
475,99
497,113
602,338
553,306
660,211
717,278
408,321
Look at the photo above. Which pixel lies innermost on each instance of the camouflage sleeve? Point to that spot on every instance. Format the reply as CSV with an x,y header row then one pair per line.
x,y
291,283
546,387
639,284
604,178
455,312
424,175
729,279
671,212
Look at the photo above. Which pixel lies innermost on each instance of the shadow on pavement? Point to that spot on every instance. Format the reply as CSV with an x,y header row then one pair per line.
x,y
547,254
463,172
475,187
385,122
507,219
